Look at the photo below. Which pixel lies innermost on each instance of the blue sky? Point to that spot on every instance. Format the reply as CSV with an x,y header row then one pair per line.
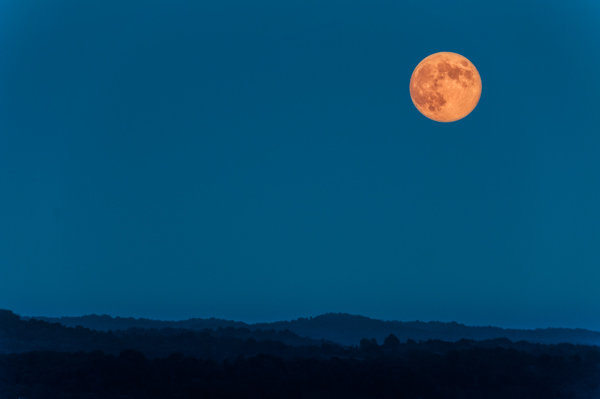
x,y
264,161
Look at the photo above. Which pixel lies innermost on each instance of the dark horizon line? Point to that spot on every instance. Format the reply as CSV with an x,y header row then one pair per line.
x,y
310,318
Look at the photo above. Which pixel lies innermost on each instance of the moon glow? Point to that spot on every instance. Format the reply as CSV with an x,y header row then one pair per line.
x,y
445,87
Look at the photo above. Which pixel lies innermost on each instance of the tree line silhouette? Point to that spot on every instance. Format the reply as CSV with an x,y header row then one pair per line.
x,y
48,360
346,329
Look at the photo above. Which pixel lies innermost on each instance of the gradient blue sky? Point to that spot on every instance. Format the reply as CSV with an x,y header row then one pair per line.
x,y
263,160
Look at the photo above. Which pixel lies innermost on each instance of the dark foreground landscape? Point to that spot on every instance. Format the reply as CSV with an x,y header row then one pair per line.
x,y
139,359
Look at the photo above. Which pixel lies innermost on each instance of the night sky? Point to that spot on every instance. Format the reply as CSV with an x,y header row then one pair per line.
x,y
263,161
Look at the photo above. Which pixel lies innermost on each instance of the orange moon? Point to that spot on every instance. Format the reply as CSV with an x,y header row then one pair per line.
x,y
445,87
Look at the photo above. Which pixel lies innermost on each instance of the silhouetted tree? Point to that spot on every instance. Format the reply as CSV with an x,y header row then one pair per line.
x,y
391,342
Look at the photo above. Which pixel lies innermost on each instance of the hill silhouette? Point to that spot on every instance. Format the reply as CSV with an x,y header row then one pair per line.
x,y
346,329
18,335
40,359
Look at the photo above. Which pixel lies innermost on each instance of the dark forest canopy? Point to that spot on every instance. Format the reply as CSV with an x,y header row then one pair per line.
x,y
48,360
490,373
347,329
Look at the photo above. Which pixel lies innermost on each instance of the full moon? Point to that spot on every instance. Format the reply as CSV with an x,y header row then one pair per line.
x,y
445,87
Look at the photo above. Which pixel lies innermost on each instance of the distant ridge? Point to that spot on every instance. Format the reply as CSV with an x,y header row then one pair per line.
x,y
105,322
347,329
